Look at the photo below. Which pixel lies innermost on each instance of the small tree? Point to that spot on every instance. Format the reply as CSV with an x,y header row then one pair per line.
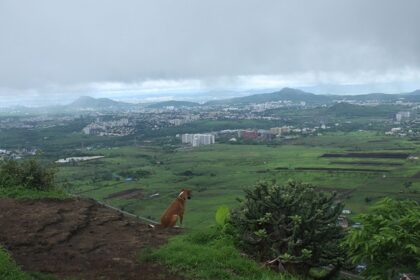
x,y
293,223
407,184
389,239
28,173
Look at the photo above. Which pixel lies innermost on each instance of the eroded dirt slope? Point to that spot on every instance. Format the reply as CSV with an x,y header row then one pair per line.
x,y
80,238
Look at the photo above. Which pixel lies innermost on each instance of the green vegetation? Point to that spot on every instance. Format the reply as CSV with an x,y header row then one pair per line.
x,y
389,240
346,110
28,179
28,174
24,193
212,125
217,174
209,254
9,269
292,223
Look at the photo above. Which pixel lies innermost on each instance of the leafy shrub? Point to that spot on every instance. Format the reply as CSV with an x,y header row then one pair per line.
x,y
222,215
28,174
293,223
389,239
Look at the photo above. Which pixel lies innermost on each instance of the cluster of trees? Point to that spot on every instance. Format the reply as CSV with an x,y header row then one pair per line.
x,y
136,174
27,174
296,227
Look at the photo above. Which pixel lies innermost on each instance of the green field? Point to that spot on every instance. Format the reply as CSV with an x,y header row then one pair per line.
x,y
217,174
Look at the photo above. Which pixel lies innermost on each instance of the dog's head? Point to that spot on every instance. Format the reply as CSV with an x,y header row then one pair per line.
x,y
186,193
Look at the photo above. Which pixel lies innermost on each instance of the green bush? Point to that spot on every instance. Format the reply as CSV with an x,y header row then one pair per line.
x,y
389,239
28,174
293,223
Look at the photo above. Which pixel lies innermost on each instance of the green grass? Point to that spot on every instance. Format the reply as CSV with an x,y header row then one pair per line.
x,y
207,254
27,193
222,171
9,270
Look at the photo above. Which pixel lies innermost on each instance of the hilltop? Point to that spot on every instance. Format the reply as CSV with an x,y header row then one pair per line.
x,y
290,94
84,102
79,238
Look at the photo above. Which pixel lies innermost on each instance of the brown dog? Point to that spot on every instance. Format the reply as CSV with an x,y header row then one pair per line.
x,y
175,210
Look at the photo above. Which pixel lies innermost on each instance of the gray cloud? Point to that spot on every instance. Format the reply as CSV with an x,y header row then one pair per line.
x,y
49,43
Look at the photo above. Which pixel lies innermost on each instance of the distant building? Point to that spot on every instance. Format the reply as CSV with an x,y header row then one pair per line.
x,y
248,134
177,122
198,139
265,134
187,138
256,134
280,130
275,130
402,115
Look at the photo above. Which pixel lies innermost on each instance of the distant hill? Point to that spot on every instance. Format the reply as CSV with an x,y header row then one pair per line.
x,y
416,92
173,103
285,94
412,96
344,109
380,97
294,95
85,102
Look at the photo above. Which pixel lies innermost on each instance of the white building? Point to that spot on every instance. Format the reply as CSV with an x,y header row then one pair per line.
x,y
197,139
401,115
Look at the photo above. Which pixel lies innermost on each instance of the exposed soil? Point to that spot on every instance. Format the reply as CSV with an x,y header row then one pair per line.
x,y
340,169
328,169
128,194
79,238
367,155
367,163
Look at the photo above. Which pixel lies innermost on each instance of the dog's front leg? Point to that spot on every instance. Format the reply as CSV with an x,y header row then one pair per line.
x,y
181,216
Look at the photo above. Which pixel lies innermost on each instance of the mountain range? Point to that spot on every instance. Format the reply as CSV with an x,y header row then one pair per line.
x,y
290,94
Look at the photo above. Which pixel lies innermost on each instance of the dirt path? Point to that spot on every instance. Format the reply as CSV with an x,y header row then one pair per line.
x,y
78,238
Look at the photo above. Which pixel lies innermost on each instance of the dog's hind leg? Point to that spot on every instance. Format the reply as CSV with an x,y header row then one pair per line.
x,y
173,220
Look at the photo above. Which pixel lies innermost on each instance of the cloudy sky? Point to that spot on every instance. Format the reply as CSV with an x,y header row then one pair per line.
x,y
57,50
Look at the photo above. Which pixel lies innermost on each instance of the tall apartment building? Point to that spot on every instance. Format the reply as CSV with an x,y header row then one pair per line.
x,y
197,139
401,115
279,130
